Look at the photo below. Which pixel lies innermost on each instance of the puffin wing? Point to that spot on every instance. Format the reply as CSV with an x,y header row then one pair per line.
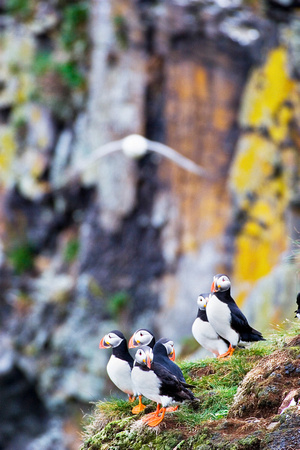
x,y
238,320
170,385
240,324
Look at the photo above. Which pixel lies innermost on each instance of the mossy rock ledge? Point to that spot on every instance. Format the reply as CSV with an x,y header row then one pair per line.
x,y
249,402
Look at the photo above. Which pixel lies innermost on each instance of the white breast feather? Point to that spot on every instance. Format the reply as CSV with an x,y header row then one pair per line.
x,y
208,338
148,384
219,316
119,372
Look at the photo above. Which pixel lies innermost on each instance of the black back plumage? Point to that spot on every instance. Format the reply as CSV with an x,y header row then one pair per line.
x,y
161,357
238,321
170,385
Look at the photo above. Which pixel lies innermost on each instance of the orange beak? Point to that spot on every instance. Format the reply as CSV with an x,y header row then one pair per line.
x,y
213,287
172,355
148,361
132,343
103,343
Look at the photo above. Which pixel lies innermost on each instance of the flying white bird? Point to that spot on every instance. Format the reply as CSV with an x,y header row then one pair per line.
x,y
136,146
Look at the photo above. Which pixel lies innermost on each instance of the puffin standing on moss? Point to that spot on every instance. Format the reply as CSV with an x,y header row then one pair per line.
x,y
297,312
226,318
120,364
140,337
203,331
157,383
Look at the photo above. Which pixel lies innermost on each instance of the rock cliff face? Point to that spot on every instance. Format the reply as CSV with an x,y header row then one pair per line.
x,y
130,242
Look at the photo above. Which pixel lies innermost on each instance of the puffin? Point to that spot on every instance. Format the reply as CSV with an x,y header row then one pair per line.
x,y
142,336
226,318
297,312
120,365
157,383
203,331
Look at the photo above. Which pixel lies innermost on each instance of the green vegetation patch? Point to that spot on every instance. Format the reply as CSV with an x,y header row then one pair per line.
x,y
71,250
21,257
118,302
74,24
22,9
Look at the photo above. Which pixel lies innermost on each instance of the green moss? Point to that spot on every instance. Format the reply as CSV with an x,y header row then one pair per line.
x,y
42,63
123,435
69,71
71,250
121,31
114,408
21,257
23,9
71,74
74,24
118,302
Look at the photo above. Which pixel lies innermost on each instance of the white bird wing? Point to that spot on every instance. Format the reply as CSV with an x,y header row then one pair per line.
x,y
97,154
179,159
154,146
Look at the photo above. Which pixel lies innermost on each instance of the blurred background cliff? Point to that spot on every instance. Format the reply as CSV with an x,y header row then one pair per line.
x,y
129,242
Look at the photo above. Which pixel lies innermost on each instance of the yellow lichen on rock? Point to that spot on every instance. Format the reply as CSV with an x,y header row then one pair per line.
x,y
253,163
7,153
268,87
258,180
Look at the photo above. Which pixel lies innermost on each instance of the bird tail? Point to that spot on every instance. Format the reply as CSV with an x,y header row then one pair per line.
x,y
186,385
252,335
189,394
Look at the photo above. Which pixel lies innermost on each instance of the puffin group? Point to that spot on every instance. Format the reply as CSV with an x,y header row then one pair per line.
x,y
220,324
219,327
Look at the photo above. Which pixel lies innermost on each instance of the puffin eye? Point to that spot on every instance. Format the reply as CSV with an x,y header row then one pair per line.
x,y
141,334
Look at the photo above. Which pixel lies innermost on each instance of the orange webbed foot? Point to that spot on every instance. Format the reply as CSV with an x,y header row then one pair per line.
x,y
131,398
153,422
149,416
172,408
138,408
228,353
